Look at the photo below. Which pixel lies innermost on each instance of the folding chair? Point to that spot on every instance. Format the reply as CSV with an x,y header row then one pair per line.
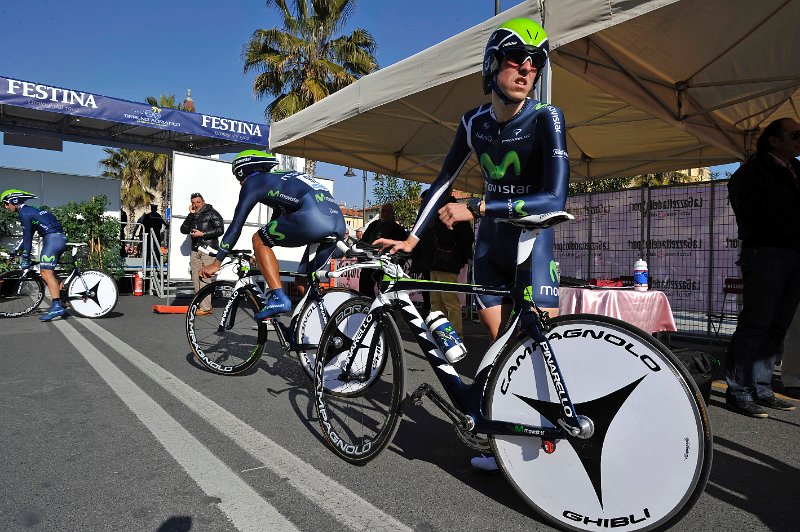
x,y
732,289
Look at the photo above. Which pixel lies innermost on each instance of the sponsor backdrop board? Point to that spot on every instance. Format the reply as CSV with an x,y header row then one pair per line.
x,y
686,233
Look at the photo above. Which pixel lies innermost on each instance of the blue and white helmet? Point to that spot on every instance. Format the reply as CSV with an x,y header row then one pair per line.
x,y
251,161
15,196
516,34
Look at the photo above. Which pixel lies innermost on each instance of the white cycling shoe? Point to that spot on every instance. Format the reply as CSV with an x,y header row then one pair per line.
x,y
484,463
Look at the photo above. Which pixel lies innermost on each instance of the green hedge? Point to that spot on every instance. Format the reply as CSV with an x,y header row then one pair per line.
x,y
83,222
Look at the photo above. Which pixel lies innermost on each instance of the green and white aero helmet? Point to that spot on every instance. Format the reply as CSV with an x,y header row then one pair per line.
x,y
15,196
519,34
251,161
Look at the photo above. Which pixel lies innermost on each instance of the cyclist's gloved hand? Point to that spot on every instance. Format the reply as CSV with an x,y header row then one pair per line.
x,y
25,262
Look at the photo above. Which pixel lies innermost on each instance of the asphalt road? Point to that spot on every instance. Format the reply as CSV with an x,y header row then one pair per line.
x,y
111,425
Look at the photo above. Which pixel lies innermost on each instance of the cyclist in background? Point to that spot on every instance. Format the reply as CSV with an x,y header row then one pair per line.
x,y
54,242
303,213
521,146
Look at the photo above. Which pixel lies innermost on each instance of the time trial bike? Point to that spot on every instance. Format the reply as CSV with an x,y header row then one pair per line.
x,y
230,340
593,422
89,293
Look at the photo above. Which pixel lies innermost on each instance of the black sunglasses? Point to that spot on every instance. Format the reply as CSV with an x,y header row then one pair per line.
x,y
794,135
516,58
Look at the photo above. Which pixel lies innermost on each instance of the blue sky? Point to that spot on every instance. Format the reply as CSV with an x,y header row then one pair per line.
x,y
131,50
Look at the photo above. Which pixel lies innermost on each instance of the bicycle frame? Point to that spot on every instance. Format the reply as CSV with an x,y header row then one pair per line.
x,y
283,332
468,398
35,270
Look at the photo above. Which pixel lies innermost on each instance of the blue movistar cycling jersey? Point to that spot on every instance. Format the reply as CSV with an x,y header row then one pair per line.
x,y
303,211
34,220
526,171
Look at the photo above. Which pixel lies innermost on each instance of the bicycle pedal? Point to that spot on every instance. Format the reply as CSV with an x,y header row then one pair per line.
x,y
549,446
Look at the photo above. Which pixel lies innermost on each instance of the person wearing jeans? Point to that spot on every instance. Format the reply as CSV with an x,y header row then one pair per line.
x,y
204,224
765,196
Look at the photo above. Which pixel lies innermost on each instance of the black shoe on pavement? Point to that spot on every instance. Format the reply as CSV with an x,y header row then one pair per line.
x,y
774,402
746,408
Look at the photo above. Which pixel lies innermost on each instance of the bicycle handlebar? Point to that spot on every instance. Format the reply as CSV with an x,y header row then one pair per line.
x,y
243,253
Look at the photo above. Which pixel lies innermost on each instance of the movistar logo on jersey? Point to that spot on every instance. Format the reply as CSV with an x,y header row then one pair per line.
x,y
496,172
273,193
225,245
554,275
319,197
518,205
272,230
539,105
50,258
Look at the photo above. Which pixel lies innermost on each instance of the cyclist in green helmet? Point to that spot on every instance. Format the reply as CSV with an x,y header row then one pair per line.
x,y
521,146
304,212
54,242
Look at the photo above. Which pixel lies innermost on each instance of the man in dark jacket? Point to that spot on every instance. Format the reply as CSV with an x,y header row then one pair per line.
x,y
421,262
204,224
385,227
765,196
152,223
452,248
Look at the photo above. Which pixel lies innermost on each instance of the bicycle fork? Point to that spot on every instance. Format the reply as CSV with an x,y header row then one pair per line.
x,y
576,425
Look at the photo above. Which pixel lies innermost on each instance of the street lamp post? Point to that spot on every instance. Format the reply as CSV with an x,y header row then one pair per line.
x,y
350,173
364,200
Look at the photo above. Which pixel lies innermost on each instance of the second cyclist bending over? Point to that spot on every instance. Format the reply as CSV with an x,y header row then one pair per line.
x,y
522,149
54,242
304,212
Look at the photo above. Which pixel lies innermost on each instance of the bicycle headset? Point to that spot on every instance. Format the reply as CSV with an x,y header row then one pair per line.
x,y
516,35
15,196
251,161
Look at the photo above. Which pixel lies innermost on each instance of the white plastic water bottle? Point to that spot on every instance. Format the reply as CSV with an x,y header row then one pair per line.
x,y
447,337
640,279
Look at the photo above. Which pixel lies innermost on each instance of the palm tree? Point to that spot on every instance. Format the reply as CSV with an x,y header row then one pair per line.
x,y
143,173
302,62
124,165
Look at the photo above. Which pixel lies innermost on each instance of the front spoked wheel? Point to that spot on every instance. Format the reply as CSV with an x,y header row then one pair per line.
x,y
92,294
359,381
19,295
311,321
650,455
226,339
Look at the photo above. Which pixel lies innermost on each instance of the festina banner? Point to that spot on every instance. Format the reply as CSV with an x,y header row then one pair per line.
x,y
42,97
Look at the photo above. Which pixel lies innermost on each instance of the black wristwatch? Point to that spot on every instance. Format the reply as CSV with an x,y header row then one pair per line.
x,y
474,206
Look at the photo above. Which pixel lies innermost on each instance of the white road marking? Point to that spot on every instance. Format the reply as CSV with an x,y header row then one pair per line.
x,y
344,505
246,509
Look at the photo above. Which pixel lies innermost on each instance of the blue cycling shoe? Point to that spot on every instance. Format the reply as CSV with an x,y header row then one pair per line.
x,y
56,311
277,303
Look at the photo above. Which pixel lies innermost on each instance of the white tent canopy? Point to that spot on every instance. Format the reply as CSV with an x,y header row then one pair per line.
x,y
645,85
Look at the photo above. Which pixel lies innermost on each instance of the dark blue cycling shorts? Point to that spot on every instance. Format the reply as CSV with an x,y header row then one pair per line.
x,y
307,225
495,263
53,245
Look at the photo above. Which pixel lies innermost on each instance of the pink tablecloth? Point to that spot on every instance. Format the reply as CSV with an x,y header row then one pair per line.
x,y
649,310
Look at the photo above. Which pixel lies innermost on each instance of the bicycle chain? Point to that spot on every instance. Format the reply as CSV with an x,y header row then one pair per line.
x,y
477,442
